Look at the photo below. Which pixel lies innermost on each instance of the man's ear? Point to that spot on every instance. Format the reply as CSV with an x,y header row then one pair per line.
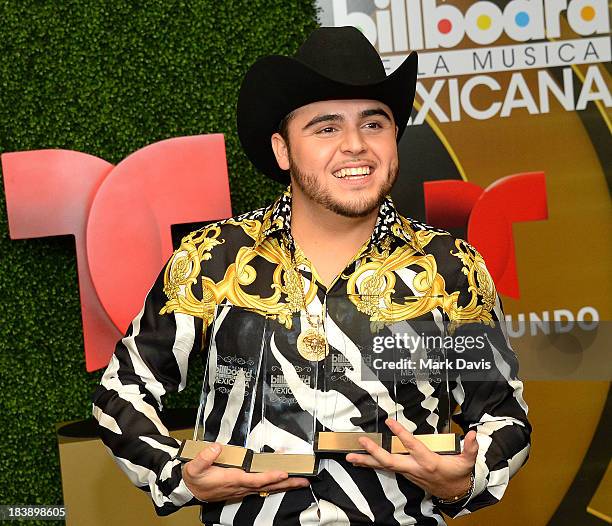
x,y
281,151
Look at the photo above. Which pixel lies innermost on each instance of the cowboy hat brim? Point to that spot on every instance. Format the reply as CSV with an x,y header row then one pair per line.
x,y
276,85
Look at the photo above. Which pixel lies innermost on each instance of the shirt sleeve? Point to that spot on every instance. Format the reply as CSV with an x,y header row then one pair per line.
x,y
489,392
149,362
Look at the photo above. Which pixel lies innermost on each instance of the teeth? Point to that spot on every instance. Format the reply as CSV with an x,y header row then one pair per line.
x,y
360,170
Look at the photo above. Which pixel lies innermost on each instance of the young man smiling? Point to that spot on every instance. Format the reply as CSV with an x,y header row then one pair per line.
x,y
327,121
342,156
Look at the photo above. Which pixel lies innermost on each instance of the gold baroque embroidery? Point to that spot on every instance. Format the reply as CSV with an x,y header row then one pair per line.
x,y
251,227
382,253
375,273
284,280
374,296
480,287
184,268
419,238
182,272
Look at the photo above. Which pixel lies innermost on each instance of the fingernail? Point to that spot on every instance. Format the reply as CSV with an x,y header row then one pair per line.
x,y
215,448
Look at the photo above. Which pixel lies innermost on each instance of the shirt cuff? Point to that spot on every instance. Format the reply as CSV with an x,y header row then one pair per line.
x,y
480,479
183,493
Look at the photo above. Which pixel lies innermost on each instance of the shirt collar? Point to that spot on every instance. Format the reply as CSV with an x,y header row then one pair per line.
x,y
278,216
277,220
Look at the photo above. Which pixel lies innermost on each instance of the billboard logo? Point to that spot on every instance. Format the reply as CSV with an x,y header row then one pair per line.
x,y
546,34
400,25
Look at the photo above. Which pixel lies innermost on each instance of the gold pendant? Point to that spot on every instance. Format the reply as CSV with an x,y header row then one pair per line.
x,y
312,345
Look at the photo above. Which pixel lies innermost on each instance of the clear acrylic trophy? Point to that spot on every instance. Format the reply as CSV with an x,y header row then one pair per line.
x,y
422,356
351,387
385,358
258,396
286,432
229,389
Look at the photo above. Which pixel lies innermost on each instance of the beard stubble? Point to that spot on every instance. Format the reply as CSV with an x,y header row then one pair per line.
x,y
360,207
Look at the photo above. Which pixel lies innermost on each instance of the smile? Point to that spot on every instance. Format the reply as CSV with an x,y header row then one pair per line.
x,y
359,171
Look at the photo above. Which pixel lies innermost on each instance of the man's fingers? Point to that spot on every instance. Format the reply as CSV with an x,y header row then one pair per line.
x,y
254,481
405,436
203,461
290,483
470,446
383,457
415,447
367,461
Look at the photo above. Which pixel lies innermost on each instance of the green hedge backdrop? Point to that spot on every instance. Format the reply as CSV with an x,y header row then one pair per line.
x,y
105,78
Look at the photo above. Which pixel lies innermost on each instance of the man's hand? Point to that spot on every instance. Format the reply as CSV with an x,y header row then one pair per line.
x,y
211,483
444,476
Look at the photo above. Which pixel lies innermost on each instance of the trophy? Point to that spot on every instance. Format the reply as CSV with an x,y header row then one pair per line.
x,y
276,395
258,395
229,389
289,402
421,353
386,356
350,407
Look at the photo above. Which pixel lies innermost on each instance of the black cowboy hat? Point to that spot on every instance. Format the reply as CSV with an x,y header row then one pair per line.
x,y
333,63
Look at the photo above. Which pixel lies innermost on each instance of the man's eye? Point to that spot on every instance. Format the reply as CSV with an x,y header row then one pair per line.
x,y
327,129
373,125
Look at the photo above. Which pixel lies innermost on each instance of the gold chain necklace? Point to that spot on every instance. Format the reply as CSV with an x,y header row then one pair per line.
x,y
311,343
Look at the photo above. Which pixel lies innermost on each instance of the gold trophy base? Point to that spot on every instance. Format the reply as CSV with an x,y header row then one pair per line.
x,y
344,441
305,465
230,456
348,442
441,443
302,465
242,458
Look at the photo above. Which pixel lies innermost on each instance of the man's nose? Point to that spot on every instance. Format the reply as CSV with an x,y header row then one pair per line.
x,y
353,141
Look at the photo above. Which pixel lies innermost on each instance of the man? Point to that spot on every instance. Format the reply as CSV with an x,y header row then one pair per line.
x,y
328,120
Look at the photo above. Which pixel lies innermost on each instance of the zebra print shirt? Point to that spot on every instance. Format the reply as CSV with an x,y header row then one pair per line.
x,y
247,261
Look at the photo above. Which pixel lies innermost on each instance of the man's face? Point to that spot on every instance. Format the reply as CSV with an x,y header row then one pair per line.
x,y
342,154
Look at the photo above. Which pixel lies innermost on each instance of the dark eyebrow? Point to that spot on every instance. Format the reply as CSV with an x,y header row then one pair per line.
x,y
333,117
375,111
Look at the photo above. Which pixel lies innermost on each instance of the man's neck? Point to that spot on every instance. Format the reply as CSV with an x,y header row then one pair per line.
x,y
329,241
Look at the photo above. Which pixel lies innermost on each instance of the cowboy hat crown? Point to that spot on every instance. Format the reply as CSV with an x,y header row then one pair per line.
x,y
333,63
